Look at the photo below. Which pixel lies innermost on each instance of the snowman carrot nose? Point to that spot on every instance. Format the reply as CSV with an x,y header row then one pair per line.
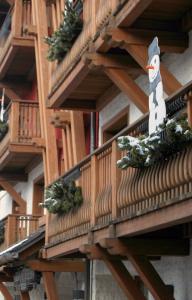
x,y
149,67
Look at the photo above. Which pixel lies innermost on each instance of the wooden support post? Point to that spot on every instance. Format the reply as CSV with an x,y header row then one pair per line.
x,y
94,187
78,136
48,131
139,53
17,18
14,122
25,296
4,290
11,230
115,178
50,286
150,277
15,196
127,85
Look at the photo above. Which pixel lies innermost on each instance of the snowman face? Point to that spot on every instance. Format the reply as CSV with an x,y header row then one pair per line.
x,y
155,63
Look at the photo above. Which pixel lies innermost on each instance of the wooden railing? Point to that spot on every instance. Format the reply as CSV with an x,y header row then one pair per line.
x,y
96,14
17,228
24,121
111,194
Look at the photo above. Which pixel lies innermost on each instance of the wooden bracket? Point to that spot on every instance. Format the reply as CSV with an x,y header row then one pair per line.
x,y
133,249
15,196
60,118
117,269
50,286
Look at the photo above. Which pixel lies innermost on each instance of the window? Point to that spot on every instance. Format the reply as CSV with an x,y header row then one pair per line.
x,y
115,125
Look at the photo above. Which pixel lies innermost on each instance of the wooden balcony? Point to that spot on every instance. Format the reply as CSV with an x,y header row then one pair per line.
x,y
18,228
16,45
111,29
17,149
122,200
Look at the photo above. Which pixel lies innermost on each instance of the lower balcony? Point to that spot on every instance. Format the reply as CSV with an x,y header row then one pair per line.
x,y
17,149
125,202
15,228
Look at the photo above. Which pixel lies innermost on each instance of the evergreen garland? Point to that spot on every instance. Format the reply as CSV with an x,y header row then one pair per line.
x,y
63,38
62,198
3,129
171,137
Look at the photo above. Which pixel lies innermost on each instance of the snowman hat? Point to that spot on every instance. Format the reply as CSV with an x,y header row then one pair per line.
x,y
153,48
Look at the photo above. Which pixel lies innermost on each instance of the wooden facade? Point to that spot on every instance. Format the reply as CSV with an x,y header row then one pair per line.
x,y
121,210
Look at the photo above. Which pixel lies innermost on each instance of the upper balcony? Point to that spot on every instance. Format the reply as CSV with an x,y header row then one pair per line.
x,y
17,147
125,202
16,46
113,30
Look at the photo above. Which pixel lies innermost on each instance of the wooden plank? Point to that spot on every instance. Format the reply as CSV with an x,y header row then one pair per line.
x,y
17,23
50,286
4,290
11,230
15,196
14,122
57,265
78,136
115,179
127,85
94,187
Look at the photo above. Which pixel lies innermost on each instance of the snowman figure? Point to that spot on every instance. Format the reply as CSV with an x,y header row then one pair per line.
x,y
157,108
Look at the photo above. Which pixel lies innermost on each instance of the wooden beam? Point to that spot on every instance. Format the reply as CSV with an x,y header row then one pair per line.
x,y
32,250
149,247
57,265
173,42
140,54
5,292
15,196
50,286
78,136
60,118
119,272
127,85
